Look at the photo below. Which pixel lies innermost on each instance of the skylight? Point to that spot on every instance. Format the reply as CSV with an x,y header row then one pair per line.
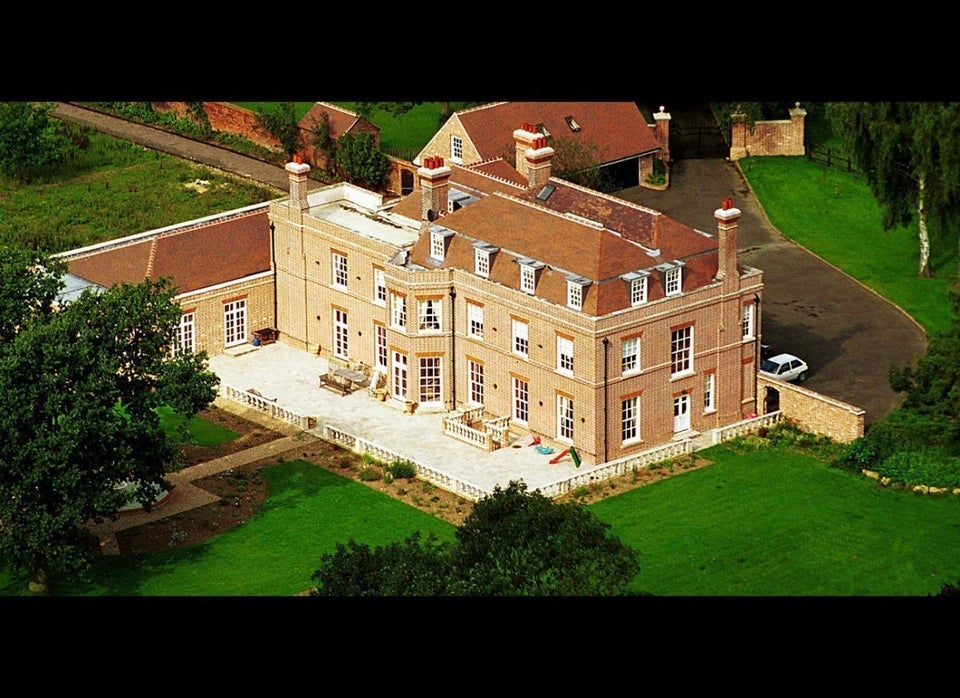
x,y
545,193
572,123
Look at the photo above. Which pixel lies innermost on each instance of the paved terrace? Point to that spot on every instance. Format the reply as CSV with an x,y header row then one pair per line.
x,y
289,378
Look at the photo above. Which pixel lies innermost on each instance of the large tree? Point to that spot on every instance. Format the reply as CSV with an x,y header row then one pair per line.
x,y
28,139
280,121
513,543
360,162
932,384
79,392
909,153
29,285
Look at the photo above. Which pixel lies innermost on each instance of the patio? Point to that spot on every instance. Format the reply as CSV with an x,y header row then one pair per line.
x,y
288,379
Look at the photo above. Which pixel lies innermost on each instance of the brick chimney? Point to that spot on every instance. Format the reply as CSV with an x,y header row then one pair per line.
x,y
538,159
523,139
298,170
727,219
434,184
661,122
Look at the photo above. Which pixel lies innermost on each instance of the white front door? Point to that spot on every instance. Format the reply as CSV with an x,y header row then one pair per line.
x,y
681,413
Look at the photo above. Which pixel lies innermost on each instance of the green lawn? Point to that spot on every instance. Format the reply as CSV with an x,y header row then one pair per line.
x,y
275,553
765,523
832,213
114,189
778,523
411,131
202,432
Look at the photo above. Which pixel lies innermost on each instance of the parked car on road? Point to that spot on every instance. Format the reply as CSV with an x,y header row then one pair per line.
x,y
786,367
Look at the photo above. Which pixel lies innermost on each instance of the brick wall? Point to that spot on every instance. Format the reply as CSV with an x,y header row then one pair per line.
x,y
225,118
207,307
440,144
812,411
780,137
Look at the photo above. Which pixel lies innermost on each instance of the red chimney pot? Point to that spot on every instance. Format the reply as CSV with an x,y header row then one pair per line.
x,y
727,204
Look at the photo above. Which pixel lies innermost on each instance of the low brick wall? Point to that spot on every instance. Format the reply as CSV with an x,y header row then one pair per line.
x,y
812,411
779,137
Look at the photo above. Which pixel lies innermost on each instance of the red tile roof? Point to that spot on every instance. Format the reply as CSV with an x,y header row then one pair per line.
x,y
569,247
341,120
618,129
195,256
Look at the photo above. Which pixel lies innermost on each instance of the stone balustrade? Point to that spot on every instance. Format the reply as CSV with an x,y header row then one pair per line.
x,y
267,406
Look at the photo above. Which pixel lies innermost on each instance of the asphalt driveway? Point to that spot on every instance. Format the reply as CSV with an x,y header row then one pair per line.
x,y
847,334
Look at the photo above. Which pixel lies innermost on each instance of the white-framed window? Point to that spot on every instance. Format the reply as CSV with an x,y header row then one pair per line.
x,y
574,295
630,419
235,322
186,335
474,320
428,314
430,390
456,149
709,392
564,354
528,278
521,342
481,262
630,355
638,291
521,400
748,318
380,340
672,281
398,311
339,269
681,350
475,381
340,334
564,418
379,286
437,250
401,387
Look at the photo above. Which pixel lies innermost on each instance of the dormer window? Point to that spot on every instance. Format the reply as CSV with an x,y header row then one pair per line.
x,y
438,242
528,275
636,287
572,123
575,292
672,277
483,258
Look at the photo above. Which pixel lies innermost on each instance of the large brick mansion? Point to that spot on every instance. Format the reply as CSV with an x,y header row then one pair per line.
x,y
576,315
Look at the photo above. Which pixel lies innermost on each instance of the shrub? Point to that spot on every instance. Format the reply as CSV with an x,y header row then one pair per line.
x,y
931,466
371,473
368,459
402,469
176,537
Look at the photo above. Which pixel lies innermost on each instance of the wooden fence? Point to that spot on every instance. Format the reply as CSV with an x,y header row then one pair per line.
x,y
830,158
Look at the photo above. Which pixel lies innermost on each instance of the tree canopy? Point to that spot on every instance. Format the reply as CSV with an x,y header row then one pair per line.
x,y
358,158
280,121
932,384
79,390
911,159
513,543
28,139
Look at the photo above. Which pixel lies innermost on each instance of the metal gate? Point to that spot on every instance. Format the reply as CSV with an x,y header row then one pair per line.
x,y
698,143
